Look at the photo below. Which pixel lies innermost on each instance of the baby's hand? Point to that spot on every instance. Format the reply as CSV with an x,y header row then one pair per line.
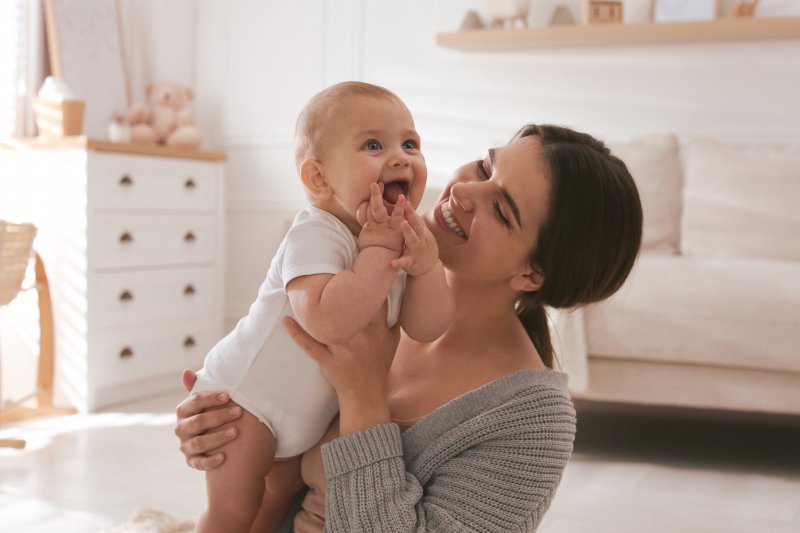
x,y
421,253
379,228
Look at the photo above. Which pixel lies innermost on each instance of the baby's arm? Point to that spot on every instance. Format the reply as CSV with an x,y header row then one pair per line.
x,y
428,305
333,308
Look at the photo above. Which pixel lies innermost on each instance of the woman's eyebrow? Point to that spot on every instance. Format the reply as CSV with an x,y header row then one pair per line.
x,y
509,200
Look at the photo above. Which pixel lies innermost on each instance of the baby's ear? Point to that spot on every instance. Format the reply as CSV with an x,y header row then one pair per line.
x,y
313,177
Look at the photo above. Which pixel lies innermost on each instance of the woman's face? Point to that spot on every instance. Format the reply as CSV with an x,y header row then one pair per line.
x,y
487,220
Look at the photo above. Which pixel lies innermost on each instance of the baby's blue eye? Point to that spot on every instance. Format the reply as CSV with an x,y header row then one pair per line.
x,y
410,145
372,145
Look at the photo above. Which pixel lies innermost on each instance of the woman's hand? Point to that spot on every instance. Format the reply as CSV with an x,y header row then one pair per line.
x,y
199,419
358,370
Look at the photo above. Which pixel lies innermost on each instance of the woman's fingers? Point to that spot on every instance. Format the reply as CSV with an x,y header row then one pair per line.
x,y
190,426
206,443
194,404
315,349
205,463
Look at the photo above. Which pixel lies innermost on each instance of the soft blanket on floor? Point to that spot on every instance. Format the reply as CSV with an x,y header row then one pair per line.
x,y
151,521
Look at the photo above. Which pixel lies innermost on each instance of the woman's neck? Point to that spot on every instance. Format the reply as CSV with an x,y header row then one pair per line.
x,y
484,317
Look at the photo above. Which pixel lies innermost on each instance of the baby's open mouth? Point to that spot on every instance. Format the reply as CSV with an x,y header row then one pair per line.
x,y
392,190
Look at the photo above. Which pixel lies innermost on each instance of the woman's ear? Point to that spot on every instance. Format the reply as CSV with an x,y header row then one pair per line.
x,y
312,176
528,280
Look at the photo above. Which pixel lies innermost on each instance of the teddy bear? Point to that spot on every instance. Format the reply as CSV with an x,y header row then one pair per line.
x,y
165,120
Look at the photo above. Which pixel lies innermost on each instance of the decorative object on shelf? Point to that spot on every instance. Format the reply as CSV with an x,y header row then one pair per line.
x,y
507,13
119,131
164,120
778,8
759,28
602,12
85,50
57,111
743,9
684,10
472,21
562,16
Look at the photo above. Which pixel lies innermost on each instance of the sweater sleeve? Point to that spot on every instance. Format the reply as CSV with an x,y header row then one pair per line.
x,y
492,477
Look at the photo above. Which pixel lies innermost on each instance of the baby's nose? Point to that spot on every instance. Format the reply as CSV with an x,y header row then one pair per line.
x,y
399,158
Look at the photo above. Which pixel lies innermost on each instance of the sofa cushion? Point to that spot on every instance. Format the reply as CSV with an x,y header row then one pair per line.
x,y
704,311
655,166
741,201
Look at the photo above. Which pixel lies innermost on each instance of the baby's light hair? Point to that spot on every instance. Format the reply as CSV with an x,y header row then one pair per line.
x,y
317,115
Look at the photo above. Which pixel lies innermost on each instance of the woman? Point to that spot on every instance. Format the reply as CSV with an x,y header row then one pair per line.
x,y
551,219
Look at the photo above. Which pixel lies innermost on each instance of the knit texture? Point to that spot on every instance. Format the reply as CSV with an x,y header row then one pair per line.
x,y
489,460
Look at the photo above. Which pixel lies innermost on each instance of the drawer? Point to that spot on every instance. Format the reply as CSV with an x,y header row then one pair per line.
x,y
126,182
151,240
128,298
126,355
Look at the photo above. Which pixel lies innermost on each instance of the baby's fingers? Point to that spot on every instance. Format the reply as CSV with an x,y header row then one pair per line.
x,y
411,236
405,262
377,209
414,219
362,214
397,213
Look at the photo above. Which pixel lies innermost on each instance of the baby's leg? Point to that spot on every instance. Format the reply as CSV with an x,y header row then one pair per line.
x,y
235,489
282,484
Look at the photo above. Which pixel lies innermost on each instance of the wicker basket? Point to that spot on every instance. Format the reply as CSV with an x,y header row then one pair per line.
x,y
16,241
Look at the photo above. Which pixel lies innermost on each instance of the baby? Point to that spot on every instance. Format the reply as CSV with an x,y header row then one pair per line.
x,y
357,250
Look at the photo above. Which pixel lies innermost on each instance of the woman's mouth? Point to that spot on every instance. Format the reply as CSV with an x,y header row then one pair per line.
x,y
444,217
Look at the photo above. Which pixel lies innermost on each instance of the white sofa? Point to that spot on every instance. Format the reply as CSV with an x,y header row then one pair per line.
x,y
710,316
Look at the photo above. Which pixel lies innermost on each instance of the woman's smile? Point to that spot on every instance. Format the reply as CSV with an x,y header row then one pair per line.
x,y
445,218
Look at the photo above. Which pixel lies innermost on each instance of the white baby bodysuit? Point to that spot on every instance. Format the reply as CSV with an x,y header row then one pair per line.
x,y
260,366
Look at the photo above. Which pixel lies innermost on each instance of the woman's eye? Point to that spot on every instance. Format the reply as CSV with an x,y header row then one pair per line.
x,y
500,216
410,145
372,145
482,170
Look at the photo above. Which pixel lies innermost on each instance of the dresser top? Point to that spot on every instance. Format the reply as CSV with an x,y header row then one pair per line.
x,y
23,143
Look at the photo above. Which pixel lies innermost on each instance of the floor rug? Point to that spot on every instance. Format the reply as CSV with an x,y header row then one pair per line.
x,y
152,521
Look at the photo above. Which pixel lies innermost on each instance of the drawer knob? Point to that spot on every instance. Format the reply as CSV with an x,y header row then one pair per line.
x,y
126,181
189,290
126,296
189,237
189,184
188,342
126,238
126,353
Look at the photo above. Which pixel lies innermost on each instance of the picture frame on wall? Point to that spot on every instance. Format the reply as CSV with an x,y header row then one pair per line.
x,y
85,49
684,10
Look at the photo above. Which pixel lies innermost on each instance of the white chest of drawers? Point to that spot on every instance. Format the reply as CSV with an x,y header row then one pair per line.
x,y
132,240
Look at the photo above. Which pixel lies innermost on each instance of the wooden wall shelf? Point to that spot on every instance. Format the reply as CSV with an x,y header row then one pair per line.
x,y
622,34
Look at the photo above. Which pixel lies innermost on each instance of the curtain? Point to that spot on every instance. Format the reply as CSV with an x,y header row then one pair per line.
x,y
22,64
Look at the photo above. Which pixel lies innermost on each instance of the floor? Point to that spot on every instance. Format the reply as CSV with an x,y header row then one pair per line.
x,y
631,472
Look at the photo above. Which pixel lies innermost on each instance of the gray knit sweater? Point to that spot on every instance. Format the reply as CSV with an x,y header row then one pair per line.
x,y
489,460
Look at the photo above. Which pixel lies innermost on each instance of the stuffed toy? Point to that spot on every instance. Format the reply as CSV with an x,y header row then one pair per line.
x,y
165,120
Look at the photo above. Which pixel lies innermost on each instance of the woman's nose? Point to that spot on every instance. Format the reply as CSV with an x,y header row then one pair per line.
x,y
462,194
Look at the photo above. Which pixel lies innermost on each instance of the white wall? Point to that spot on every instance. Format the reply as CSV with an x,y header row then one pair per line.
x,y
255,63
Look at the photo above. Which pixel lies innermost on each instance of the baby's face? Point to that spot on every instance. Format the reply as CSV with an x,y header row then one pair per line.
x,y
372,141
